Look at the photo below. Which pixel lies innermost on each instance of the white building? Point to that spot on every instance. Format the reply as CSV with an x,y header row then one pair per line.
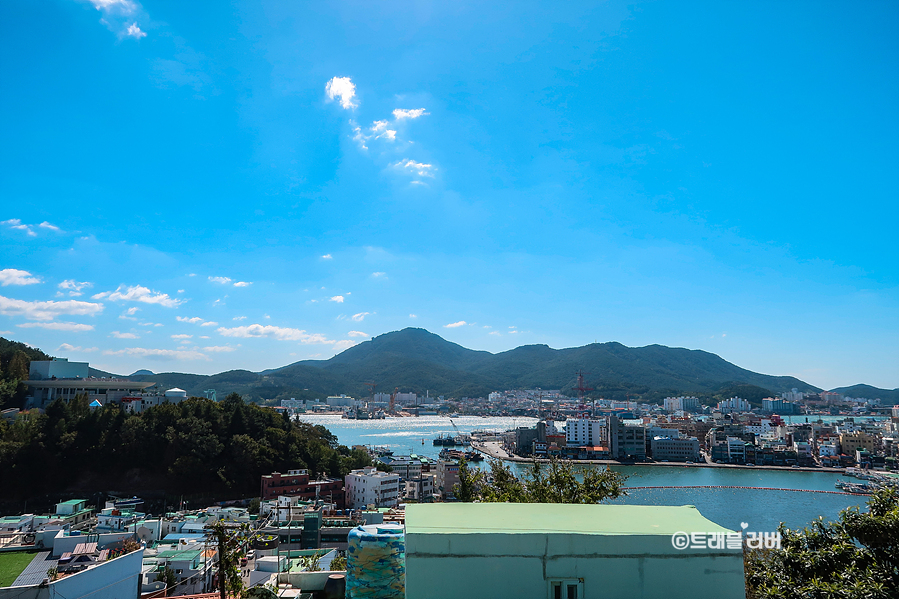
x,y
681,404
734,404
368,486
341,401
420,489
405,466
584,432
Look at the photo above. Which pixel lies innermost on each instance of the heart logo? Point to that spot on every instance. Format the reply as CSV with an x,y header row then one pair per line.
x,y
744,525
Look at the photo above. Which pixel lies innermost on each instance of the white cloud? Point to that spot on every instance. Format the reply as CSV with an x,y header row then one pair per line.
x,y
132,311
337,298
239,318
357,334
125,6
412,113
151,324
342,88
358,136
193,320
344,344
47,310
327,257
134,31
242,284
68,347
360,316
222,280
495,333
74,287
138,293
379,126
209,323
219,348
14,276
119,335
46,225
273,332
58,326
379,274
454,325
413,316
420,168
163,354
15,223
182,336
390,134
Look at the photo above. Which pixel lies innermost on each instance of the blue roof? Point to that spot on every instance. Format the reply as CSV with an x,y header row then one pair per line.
x,y
183,535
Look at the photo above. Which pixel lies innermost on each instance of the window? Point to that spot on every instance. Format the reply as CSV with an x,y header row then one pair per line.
x,y
572,588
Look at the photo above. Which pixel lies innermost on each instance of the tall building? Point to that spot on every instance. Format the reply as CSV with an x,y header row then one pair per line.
x,y
584,432
681,404
734,404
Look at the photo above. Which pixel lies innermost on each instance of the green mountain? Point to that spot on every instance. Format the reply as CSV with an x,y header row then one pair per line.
x,y
868,392
419,361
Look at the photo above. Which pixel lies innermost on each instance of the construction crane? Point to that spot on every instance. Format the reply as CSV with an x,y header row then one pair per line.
x,y
583,388
372,394
392,406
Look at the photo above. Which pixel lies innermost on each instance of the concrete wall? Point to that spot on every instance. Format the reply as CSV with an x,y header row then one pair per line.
x,y
115,579
521,565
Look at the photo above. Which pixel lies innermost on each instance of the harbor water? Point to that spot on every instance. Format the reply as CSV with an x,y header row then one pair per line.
x,y
762,509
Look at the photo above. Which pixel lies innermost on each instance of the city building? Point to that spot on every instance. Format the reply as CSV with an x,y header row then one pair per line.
x,y
778,406
583,432
420,489
850,442
562,551
734,404
447,477
368,486
675,450
626,441
59,378
297,483
681,404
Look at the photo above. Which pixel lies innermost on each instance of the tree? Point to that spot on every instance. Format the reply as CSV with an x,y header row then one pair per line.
x,y
856,557
559,483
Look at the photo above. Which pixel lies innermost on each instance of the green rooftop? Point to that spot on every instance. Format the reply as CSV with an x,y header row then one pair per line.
x,y
180,554
13,563
73,502
524,518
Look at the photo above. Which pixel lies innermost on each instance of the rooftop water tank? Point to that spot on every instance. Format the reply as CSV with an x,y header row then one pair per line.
x,y
376,562
176,392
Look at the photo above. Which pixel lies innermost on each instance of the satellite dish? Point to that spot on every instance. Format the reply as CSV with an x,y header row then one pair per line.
x,y
145,534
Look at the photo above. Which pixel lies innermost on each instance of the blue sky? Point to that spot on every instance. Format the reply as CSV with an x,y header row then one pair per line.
x,y
717,176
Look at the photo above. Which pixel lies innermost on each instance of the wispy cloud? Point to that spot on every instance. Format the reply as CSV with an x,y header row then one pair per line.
x,y
14,276
46,225
342,89
357,334
273,332
210,323
119,335
15,223
69,347
360,316
182,336
118,17
58,326
337,298
74,287
192,320
222,280
327,257
219,348
379,275
239,318
47,310
455,325
419,168
161,354
413,316
410,113
242,283
138,293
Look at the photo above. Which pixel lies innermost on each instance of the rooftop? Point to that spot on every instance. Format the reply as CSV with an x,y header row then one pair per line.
x,y
524,518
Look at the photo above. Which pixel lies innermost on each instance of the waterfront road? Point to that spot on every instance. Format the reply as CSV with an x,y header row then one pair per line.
x,y
494,449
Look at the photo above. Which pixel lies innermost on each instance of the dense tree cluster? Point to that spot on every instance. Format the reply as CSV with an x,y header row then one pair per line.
x,y
557,482
15,359
856,557
195,447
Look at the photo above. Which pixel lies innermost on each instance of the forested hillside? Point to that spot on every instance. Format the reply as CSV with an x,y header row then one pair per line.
x,y
194,447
